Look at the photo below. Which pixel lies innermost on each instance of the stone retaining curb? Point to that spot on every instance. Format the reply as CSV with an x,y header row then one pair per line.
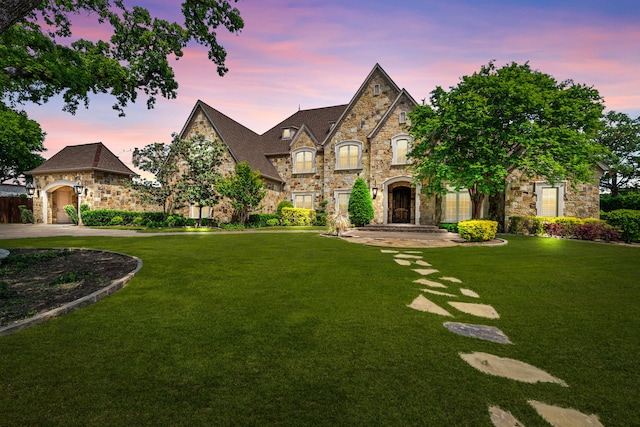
x,y
94,297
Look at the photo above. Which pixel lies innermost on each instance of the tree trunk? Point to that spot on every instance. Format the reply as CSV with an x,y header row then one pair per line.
x,y
496,210
12,11
476,202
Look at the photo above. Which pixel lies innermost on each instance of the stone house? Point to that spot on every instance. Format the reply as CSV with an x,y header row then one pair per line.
x,y
315,156
90,168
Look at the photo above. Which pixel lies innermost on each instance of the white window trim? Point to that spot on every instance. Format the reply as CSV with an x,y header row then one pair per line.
x,y
294,194
313,160
457,193
337,153
402,117
394,147
561,186
336,193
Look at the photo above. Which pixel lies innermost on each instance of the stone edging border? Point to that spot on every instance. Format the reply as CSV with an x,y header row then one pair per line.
x,y
94,297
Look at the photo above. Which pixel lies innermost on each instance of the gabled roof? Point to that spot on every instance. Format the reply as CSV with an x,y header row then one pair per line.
x,y
383,120
363,86
243,143
304,129
317,121
72,158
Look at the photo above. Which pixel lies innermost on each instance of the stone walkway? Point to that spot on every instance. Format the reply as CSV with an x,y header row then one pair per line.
x,y
441,289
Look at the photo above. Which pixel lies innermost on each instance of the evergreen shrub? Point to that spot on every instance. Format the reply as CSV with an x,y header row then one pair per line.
x,y
627,221
71,212
629,200
478,230
261,220
298,216
116,220
360,204
26,215
283,204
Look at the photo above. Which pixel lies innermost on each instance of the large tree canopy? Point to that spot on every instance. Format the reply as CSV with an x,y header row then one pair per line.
x,y
502,119
39,57
622,136
20,141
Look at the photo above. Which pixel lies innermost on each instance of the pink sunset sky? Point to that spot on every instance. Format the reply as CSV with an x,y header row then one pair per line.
x,y
311,54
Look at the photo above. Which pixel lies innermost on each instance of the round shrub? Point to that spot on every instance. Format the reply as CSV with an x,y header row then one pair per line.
x,y
283,204
116,220
479,230
273,222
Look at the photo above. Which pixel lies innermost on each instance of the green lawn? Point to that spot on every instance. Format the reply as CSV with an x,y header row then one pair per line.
x,y
297,329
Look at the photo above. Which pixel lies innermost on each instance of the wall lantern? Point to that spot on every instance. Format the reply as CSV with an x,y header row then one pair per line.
x,y
31,189
78,188
374,190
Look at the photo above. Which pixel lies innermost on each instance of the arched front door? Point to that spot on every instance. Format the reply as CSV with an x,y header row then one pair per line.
x,y
401,205
62,197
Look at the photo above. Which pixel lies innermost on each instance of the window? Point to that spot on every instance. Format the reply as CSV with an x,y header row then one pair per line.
x,y
286,133
342,201
550,200
376,89
303,201
456,206
303,161
402,117
348,155
400,146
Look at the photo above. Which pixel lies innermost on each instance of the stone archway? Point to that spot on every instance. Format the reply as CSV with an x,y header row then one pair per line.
x,y
55,197
402,201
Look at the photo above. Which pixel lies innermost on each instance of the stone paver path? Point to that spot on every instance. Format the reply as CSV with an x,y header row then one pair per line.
x,y
450,287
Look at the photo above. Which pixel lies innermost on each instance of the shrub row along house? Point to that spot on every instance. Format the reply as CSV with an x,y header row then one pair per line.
x,y
313,157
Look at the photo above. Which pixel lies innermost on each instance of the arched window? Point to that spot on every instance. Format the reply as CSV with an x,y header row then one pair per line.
x,y
349,155
304,161
400,145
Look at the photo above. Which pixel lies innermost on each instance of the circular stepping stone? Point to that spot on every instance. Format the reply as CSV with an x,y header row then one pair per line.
x,y
480,310
564,417
509,368
423,304
502,418
483,332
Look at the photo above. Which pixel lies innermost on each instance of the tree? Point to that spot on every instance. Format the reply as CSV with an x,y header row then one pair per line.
x,y
245,189
621,136
201,159
499,120
20,140
360,204
39,58
159,160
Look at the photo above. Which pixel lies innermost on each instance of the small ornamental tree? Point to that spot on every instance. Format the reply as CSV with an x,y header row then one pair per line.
x,y
360,204
244,189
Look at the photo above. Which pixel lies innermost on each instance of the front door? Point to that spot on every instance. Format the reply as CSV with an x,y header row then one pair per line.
x,y
401,210
62,198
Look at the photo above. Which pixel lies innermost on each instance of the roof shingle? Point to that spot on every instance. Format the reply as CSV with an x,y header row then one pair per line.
x,y
94,156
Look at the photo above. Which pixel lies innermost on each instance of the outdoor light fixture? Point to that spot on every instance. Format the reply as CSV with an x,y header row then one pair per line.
x,y
374,190
31,189
78,188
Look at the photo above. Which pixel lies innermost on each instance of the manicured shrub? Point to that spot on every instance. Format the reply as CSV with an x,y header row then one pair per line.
x,y
84,207
298,216
260,220
102,217
273,222
594,231
629,200
627,221
26,215
321,219
451,227
283,204
478,230
232,226
71,212
140,221
360,204
116,220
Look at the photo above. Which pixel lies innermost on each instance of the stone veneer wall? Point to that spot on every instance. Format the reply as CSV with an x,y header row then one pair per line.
x,y
105,190
366,113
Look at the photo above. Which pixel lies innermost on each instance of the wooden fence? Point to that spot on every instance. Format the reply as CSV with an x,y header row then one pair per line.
x,y
9,211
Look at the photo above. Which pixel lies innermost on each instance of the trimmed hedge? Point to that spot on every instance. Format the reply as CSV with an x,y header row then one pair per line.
x,y
478,230
262,220
298,216
103,217
622,201
567,227
627,221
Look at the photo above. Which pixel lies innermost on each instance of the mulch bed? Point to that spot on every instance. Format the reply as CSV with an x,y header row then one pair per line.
x,y
33,281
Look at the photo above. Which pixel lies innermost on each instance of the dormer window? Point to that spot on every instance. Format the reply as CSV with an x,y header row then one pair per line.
x,y
376,89
331,126
287,133
402,117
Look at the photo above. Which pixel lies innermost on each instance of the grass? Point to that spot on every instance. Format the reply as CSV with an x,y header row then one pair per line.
x,y
297,329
